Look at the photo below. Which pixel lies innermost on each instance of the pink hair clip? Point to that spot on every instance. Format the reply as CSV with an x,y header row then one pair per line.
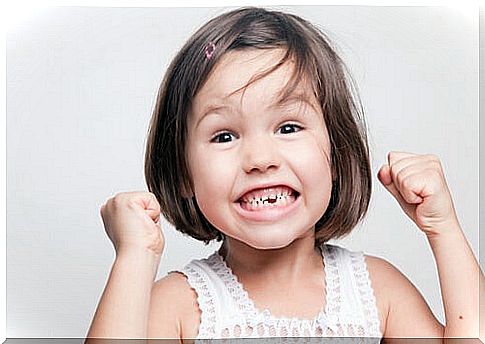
x,y
209,50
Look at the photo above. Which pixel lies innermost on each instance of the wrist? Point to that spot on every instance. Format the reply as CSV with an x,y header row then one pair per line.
x,y
448,233
140,264
137,256
135,250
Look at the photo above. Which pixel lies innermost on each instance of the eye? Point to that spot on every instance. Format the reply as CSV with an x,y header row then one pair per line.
x,y
222,137
289,128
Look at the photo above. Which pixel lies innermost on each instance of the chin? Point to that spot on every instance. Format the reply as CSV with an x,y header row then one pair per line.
x,y
267,242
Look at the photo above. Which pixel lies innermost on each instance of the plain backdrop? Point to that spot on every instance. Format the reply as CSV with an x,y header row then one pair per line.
x,y
81,86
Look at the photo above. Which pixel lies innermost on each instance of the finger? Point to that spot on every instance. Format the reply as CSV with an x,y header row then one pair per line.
x,y
152,202
410,186
407,177
394,156
385,178
384,175
146,200
404,161
153,214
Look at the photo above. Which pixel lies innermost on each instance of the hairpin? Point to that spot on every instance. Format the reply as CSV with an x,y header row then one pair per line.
x,y
209,50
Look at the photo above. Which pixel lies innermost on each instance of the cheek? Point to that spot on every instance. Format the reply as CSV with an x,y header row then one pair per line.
x,y
212,173
312,158
314,171
213,176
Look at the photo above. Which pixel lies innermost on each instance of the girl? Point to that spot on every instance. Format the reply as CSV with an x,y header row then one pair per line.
x,y
256,141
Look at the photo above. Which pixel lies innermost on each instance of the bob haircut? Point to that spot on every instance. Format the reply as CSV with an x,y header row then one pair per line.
x,y
166,169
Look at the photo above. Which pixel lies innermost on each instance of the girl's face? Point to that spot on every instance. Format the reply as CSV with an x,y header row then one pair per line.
x,y
261,171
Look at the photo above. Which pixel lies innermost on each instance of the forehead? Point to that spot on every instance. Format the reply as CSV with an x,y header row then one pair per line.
x,y
236,70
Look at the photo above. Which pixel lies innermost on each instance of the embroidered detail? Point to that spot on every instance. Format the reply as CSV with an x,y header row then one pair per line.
x,y
240,318
268,325
332,281
205,299
366,292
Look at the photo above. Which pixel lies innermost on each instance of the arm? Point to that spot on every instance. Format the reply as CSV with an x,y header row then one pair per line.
x,y
462,283
404,312
174,311
418,183
124,306
131,221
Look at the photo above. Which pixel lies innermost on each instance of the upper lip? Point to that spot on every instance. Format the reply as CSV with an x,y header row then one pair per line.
x,y
264,186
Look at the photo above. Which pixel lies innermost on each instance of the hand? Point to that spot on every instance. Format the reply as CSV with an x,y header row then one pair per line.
x,y
131,220
418,184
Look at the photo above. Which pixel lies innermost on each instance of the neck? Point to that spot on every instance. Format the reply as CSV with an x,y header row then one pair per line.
x,y
290,262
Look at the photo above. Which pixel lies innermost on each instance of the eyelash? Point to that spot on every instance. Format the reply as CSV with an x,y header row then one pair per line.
x,y
229,133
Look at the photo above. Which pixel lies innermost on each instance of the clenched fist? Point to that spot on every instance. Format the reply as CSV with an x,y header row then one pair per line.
x,y
418,184
131,220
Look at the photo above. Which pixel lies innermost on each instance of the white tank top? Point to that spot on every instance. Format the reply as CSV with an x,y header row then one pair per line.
x,y
228,312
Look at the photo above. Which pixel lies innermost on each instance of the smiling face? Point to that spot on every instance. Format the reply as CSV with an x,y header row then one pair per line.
x,y
261,169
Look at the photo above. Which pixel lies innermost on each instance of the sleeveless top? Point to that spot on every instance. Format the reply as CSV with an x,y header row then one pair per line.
x,y
228,312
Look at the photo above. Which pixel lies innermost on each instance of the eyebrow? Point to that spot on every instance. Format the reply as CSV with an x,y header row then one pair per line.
x,y
293,98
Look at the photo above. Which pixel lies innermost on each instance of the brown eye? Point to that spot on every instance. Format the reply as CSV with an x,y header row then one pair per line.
x,y
222,137
289,128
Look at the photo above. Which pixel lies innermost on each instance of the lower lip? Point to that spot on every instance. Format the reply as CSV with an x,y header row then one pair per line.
x,y
268,214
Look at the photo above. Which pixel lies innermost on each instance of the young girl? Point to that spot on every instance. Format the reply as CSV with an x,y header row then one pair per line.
x,y
257,141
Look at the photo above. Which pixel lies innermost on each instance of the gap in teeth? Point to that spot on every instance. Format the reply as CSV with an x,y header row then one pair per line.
x,y
265,200
280,201
262,198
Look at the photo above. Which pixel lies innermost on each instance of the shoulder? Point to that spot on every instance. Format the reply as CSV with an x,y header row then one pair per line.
x,y
404,311
174,312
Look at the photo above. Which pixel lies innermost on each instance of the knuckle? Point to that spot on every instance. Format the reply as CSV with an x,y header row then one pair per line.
x,y
435,164
436,174
117,199
154,198
432,157
131,203
397,175
407,182
121,198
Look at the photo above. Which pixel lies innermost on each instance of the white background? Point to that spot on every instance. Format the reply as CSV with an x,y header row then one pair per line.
x,y
81,85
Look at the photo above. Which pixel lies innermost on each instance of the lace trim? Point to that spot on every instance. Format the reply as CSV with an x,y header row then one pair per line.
x,y
369,304
251,322
332,282
205,300
327,317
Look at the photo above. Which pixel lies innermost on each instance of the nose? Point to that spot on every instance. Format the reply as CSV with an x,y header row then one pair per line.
x,y
260,155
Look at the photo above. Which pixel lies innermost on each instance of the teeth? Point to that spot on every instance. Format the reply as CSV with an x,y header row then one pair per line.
x,y
265,195
268,202
267,199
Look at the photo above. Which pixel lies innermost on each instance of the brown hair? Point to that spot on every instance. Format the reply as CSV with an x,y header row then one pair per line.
x,y
166,169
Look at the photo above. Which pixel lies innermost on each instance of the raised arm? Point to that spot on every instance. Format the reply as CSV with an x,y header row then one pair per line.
x,y
124,306
131,222
418,183
462,283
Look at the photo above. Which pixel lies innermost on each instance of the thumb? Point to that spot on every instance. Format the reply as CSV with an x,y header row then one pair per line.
x,y
154,215
150,205
385,178
149,201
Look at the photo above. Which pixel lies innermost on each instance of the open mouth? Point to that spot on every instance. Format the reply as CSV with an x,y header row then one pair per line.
x,y
268,205
279,197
